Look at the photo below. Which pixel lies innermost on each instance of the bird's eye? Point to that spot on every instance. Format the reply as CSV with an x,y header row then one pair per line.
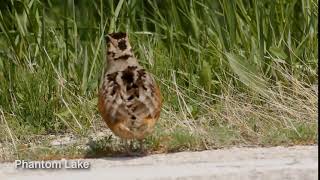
x,y
122,45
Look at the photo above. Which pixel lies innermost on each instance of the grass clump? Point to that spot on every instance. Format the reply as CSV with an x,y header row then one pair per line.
x,y
231,72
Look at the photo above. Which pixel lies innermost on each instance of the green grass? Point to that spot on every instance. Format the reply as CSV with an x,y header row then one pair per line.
x,y
231,72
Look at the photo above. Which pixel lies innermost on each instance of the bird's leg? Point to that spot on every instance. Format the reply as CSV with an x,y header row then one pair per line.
x,y
129,148
141,145
126,146
143,150
131,145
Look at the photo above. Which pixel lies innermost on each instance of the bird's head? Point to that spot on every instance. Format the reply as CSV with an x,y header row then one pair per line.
x,y
118,44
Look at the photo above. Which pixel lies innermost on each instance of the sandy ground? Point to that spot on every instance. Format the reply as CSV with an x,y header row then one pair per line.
x,y
297,162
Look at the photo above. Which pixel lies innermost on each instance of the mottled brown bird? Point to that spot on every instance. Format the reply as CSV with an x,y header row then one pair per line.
x,y
129,98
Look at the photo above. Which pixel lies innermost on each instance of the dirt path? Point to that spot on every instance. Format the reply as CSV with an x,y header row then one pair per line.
x,y
298,162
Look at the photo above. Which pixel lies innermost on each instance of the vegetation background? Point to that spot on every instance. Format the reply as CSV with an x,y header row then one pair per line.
x,y
231,72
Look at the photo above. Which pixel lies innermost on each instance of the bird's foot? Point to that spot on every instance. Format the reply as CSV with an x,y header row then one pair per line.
x,y
131,151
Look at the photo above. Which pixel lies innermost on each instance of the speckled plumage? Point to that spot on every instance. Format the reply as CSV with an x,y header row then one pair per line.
x,y
129,98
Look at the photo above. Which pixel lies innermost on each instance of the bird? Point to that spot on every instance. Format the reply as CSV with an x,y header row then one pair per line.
x,y
129,99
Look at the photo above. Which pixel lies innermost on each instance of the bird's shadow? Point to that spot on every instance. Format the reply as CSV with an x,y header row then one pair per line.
x,y
108,149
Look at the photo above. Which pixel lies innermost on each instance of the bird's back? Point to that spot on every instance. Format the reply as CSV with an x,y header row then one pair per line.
x,y
129,100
